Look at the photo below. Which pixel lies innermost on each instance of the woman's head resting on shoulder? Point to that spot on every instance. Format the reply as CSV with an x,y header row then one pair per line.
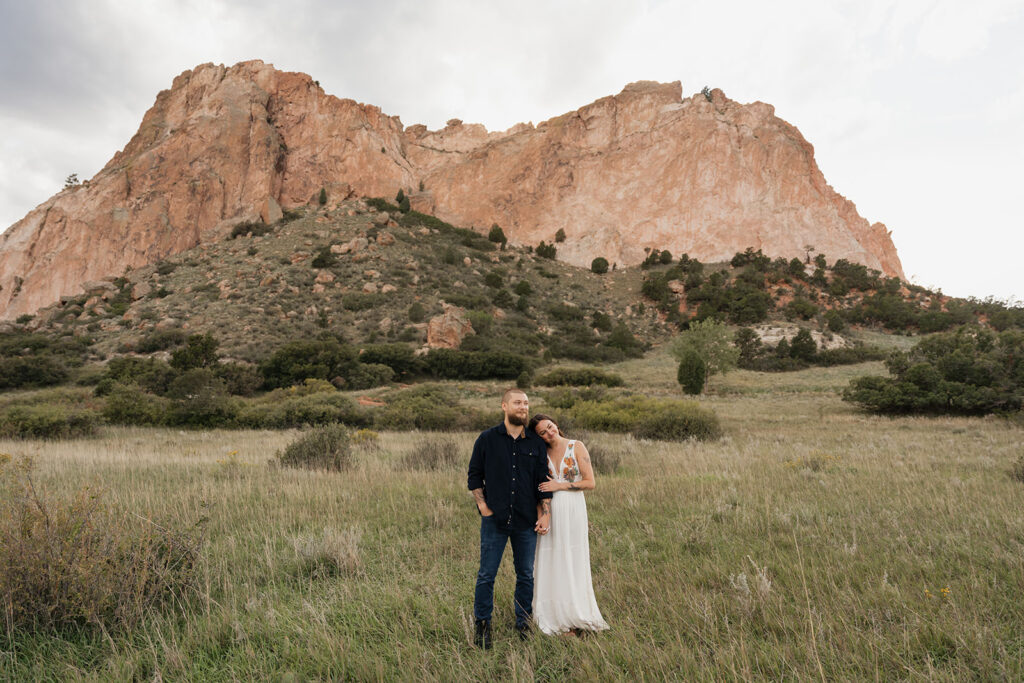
x,y
545,427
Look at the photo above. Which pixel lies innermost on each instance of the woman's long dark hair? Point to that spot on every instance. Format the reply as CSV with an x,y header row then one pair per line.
x,y
537,419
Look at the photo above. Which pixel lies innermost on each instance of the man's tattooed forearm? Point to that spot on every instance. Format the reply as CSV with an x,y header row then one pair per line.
x,y
545,506
479,495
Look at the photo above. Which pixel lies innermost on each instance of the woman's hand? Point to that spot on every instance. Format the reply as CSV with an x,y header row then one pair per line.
x,y
551,486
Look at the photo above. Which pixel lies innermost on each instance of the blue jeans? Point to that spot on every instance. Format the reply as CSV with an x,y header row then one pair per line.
x,y
492,546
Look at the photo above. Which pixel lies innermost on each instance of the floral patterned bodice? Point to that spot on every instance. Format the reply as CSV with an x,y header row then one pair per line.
x,y
568,469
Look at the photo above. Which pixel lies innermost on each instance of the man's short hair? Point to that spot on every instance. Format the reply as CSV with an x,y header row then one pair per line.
x,y
509,392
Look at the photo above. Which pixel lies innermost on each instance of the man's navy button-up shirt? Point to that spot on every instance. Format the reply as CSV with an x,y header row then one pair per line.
x,y
509,471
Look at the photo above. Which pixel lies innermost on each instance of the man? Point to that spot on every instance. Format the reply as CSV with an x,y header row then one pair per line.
x,y
507,466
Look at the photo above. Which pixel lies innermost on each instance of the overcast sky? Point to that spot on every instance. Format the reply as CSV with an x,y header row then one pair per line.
x,y
915,108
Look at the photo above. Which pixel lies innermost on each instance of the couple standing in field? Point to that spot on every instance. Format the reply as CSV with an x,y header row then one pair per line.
x,y
528,480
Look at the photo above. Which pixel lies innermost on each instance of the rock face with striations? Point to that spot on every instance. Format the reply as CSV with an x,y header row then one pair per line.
x,y
645,168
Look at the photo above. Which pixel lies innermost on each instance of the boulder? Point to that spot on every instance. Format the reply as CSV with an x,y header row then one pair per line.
x,y
270,211
446,331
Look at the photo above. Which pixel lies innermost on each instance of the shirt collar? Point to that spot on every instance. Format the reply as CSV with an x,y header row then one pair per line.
x,y
502,429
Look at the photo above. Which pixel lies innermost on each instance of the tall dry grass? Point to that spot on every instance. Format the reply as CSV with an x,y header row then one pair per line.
x,y
811,542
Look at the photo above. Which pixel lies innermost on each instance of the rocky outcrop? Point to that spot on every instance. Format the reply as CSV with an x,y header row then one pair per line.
x,y
645,168
446,331
648,169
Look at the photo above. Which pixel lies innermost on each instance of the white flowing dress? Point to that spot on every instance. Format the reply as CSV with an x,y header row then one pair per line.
x,y
563,596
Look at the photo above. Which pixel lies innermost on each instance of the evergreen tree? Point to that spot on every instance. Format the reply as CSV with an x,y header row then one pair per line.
x,y
692,373
803,346
497,235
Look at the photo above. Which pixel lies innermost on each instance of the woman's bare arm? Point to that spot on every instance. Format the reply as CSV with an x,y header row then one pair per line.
x,y
586,469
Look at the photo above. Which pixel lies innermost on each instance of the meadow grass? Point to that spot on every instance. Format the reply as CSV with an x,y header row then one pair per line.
x,y
811,542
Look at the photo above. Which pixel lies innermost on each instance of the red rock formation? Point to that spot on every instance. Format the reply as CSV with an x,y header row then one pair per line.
x,y
645,168
446,331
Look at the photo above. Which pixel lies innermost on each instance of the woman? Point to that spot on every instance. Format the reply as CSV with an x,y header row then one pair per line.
x,y
563,598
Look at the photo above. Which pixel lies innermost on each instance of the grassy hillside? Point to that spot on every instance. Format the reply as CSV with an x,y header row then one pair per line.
x,y
389,273
256,292
811,541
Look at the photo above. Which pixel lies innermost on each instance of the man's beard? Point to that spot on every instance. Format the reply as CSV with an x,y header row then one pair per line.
x,y
514,419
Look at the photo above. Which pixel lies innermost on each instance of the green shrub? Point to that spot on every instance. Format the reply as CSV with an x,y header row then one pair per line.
x,y
497,234
434,453
129,405
451,256
602,321
149,373
416,312
855,275
579,377
322,448
452,364
481,322
934,321
368,375
324,258
399,357
560,236
22,372
322,197
564,312
430,407
199,399
648,418
200,351
381,204
80,564
971,371
849,356
295,362
359,301
599,265
801,308
834,321
470,300
547,251
158,340
803,346
494,279
692,373
255,228
523,288
168,267
622,338
240,379
283,409
45,421
502,299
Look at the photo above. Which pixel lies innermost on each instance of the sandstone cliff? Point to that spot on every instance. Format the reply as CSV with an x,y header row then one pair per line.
x,y
645,168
